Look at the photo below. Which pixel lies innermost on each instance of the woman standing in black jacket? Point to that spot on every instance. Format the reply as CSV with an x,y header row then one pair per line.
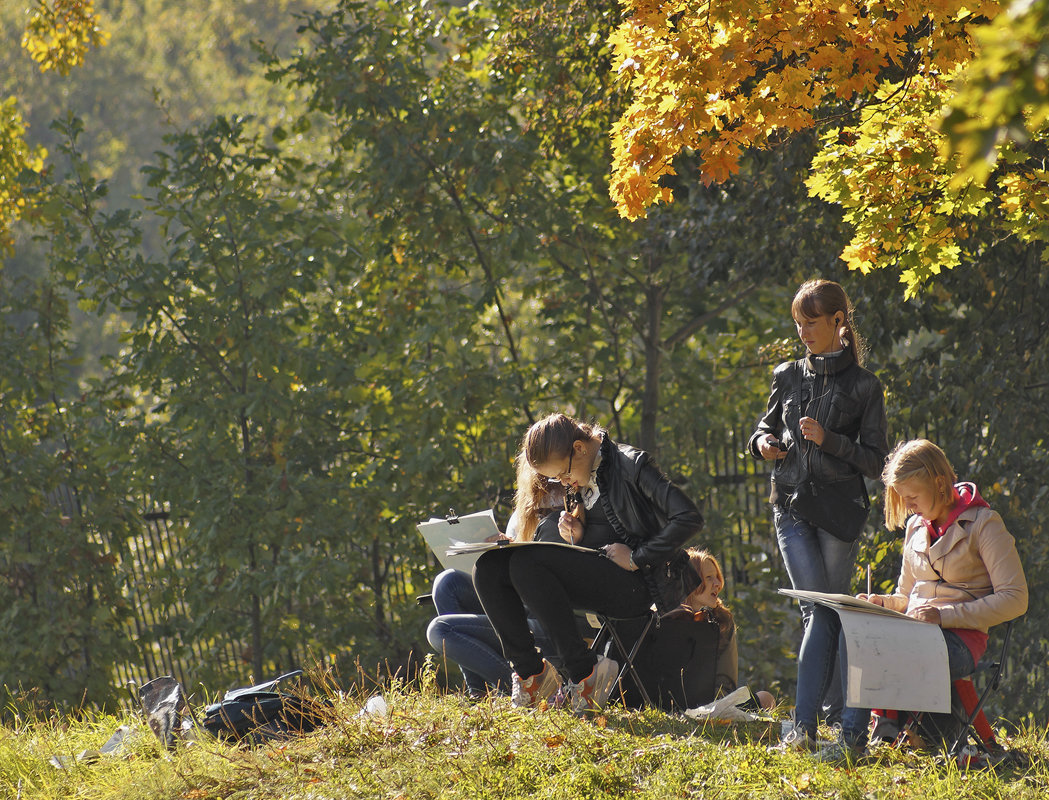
x,y
825,428
625,510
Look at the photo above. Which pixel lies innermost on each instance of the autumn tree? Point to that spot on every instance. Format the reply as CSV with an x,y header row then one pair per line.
x,y
719,78
57,37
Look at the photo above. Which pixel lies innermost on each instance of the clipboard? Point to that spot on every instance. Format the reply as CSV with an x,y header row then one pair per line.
x,y
474,528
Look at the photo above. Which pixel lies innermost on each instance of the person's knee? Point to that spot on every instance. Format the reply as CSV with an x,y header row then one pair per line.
x,y
448,586
437,632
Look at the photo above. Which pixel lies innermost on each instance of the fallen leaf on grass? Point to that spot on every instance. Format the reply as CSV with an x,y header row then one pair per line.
x,y
803,783
555,741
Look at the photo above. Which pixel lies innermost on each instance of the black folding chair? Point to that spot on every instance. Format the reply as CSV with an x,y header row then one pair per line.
x,y
966,724
609,638
976,729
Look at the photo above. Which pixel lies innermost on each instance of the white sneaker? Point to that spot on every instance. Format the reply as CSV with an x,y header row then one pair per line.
x,y
840,752
591,693
533,691
797,740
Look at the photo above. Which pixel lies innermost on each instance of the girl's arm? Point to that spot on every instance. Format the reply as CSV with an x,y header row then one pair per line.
x,y
1008,600
683,517
771,421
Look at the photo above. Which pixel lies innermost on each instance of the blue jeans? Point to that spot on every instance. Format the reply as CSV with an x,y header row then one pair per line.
x,y
463,634
823,643
816,561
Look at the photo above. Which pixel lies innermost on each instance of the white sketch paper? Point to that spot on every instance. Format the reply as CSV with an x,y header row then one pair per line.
x,y
895,661
441,534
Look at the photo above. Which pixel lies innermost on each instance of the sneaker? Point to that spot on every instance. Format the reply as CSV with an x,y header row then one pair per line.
x,y
533,691
839,751
797,739
884,730
591,693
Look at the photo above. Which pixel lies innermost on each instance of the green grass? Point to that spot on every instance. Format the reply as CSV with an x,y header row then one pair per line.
x,y
433,744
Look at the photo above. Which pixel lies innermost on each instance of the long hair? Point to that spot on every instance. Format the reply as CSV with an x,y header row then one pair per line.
x,y
547,440
821,298
915,460
532,499
719,611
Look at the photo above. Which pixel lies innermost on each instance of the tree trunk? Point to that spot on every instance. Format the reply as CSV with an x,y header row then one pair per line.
x,y
653,364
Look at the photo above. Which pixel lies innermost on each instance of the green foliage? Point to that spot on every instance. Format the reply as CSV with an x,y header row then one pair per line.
x,y
61,580
252,424
1001,94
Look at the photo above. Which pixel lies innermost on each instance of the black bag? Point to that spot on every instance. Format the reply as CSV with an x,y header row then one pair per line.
x,y
840,508
677,663
262,712
671,583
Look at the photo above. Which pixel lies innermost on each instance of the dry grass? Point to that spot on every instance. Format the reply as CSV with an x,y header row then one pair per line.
x,y
435,745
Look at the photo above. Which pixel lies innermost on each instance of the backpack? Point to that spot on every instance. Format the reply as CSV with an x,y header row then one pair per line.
x,y
260,712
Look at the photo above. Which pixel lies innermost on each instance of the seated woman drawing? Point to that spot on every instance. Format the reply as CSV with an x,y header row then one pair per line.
x,y
960,571
633,523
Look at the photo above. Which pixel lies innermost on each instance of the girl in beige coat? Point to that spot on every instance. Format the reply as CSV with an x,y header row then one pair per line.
x,y
960,571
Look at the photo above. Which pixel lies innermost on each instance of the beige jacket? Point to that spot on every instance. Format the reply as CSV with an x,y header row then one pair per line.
x,y
972,573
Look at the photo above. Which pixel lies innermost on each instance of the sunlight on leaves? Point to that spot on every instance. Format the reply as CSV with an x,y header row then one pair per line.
x,y
60,33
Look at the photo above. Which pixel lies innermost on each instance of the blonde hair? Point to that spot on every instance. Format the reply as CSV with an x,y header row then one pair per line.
x,y
547,440
822,298
720,612
915,460
531,499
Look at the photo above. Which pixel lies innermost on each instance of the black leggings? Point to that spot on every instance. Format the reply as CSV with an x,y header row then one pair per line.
x,y
550,584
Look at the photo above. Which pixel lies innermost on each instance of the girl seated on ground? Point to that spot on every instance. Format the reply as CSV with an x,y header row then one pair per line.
x,y
960,571
461,632
705,600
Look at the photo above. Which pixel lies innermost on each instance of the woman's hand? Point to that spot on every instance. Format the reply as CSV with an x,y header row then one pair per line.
x,y
927,613
768,446
811,430
621,555
570,528
872,598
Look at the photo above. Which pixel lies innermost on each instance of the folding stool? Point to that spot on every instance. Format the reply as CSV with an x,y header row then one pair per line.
x,y
968,710
976,725
608,637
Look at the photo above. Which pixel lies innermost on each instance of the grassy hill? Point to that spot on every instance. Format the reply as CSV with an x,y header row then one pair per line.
x,y
431,744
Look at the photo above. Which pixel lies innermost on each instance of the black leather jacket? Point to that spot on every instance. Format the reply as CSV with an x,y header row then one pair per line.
x,y
648,512
847,400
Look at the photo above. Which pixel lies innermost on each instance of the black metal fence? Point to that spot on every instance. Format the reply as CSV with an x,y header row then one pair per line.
x,y
739,530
